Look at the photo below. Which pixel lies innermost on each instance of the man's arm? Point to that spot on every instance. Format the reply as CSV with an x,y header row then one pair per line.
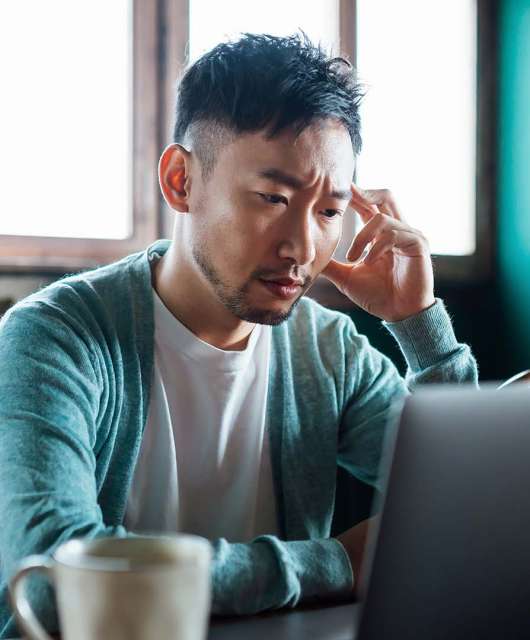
x,y
390,275
52,396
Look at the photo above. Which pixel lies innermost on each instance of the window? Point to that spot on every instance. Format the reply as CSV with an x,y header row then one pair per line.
x,y
419,113
212,22
73,100
97,84
79,131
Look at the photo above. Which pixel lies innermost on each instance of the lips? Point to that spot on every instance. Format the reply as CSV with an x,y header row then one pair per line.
x,y
282,288
287,282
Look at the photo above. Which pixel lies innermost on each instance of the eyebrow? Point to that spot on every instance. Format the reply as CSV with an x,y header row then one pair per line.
x,y
287,179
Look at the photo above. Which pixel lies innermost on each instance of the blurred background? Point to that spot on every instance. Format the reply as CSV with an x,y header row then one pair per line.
x,y
87,107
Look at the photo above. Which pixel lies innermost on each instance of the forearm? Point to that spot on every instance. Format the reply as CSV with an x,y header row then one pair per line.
x,y
247,578
431,350
269,573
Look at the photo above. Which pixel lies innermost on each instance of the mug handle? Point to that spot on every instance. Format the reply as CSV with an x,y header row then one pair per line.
x,y
21,607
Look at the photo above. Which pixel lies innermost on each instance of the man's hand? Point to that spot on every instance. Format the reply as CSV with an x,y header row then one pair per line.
x,y
354,541
395,279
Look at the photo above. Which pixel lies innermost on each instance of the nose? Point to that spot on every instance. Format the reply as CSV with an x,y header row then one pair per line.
x,y
298,242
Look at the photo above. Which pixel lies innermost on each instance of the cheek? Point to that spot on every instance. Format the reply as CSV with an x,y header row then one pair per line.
x,y
246,230
326,245
212,217
233,235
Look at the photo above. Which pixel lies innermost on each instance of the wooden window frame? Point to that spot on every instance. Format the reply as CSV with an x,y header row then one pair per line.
x,y
480,267
53,254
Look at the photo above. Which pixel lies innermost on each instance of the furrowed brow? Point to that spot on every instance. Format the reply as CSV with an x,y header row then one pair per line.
x,y
341,194
281,177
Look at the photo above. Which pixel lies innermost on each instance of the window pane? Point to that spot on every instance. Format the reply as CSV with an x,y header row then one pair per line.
x,y
65,157
214,22
419,117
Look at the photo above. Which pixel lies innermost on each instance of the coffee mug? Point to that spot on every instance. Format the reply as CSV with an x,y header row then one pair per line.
x,y
134,588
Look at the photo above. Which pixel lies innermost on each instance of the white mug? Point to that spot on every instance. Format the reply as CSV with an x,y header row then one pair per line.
x,y
138,588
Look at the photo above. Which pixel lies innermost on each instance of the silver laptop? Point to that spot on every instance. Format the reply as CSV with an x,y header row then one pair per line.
x,y
450,558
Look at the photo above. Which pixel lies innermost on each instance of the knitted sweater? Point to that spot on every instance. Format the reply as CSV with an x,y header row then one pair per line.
x,y
76,363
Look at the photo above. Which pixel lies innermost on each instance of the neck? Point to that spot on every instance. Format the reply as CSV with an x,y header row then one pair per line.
x,y
187,294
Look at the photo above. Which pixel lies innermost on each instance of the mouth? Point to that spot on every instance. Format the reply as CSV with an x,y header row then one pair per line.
x,y
282,288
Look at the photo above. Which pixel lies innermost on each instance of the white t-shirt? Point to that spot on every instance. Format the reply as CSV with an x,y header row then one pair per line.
x,y
204,464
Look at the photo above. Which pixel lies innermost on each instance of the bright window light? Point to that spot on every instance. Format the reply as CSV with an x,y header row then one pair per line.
x,y
65,156
215,22
418,60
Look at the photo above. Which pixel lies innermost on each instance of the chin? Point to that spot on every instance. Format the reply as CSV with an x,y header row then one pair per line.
x,y
262,316
268,316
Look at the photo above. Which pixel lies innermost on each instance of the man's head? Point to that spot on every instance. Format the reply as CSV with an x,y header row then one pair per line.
x,y
264,147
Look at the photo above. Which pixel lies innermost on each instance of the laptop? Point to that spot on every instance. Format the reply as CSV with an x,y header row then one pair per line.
x,y
450,556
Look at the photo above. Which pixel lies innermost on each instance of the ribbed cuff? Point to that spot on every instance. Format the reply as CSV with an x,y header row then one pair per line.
x,y
426,338
324,567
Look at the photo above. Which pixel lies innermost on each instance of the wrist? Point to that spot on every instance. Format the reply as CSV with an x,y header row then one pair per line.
x,y
410,313
425,339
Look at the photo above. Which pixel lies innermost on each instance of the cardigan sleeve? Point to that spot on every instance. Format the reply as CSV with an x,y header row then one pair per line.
x,y
49,402
51,396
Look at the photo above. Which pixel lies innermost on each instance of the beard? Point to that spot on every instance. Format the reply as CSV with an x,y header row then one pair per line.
x,y
236,300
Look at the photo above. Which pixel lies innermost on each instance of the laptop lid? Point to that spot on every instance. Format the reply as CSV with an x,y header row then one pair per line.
x,y
451,555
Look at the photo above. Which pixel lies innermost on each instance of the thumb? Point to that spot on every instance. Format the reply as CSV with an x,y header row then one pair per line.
x,y
338,273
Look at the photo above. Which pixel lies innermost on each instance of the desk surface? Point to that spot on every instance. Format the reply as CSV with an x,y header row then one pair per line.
x,y
325,623
334,622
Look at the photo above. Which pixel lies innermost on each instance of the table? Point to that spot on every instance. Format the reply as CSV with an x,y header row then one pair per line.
x,y
334,622
329,622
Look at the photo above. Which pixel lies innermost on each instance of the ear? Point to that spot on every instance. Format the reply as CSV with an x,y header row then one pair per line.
x,y
174,177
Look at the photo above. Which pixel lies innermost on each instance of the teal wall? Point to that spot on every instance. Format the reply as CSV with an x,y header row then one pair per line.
x,y
514,179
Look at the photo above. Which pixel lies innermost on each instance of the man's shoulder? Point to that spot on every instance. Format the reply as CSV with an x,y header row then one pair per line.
x,y
109,290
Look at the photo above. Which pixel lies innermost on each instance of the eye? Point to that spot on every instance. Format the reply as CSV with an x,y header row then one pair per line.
x,y
273,198
332,213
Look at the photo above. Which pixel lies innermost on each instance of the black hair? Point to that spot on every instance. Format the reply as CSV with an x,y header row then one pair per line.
x,y
264,82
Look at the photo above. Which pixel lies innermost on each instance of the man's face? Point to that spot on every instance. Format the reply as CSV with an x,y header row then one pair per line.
x,y
267,220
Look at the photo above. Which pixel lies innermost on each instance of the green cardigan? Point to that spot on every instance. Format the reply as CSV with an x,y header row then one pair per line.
x,y
76,363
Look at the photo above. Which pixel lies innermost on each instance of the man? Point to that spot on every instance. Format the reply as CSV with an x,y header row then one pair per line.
x,y
191,387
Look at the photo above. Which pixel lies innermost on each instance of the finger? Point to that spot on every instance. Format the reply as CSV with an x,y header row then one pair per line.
x,y
387,210
404,242
396,213
359,204
382,198
369,197
360,194
365,236
385,200
379,225
338,273
384,244
412,244
365,212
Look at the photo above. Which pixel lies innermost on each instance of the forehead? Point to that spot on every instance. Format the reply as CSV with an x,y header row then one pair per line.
x,y
323,149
